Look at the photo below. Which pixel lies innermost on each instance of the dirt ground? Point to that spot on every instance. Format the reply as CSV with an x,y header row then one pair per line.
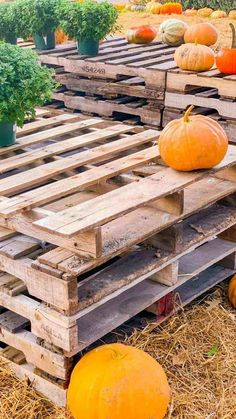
x,y
130,19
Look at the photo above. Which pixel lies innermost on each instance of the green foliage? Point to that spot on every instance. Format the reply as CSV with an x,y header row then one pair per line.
x,y
37,16
8,20
87,20
225,5
24,83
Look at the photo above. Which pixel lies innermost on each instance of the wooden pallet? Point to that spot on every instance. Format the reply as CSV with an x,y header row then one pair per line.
x,y
72,288
183,81
29,365
118,60
205,98
228,124
123,107
25,44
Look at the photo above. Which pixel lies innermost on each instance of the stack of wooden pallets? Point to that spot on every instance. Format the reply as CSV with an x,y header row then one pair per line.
x,y
213,94
94,229
124,81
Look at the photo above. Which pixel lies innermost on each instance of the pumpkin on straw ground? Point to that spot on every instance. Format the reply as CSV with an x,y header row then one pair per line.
x,y
232,291
193,142
118,381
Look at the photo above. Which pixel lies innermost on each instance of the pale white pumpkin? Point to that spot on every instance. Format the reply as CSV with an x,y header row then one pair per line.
x,y
172,31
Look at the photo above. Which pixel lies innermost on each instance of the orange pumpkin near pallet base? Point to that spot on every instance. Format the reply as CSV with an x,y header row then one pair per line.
x,y
226,59
141,35
118,381
232,291
193,142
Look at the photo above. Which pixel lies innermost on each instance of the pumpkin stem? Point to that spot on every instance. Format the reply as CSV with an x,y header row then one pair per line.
x,y
233,35
187,113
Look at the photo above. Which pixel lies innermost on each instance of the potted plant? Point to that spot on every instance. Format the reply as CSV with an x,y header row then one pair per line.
x,y
38,18
8,23
88,22
24,84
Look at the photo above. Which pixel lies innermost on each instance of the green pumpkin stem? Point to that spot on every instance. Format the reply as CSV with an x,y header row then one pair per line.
x,y
187,113
233,35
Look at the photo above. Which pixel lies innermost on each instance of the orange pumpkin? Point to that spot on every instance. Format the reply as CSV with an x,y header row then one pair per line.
x,y
205,12
217,14
171,8
120,6
232,14
226,59
118,381
194,57
201,33
193,142
232,291
60,37
190,12
141,34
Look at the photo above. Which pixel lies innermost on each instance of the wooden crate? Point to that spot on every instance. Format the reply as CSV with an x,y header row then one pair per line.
x,y
228,124
118,60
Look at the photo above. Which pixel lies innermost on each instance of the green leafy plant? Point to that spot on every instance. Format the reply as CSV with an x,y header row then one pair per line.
x,y
24,83
88,20
37,16
8,21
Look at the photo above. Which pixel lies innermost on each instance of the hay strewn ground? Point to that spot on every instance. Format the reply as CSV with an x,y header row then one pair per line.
x,y
130,19
197,350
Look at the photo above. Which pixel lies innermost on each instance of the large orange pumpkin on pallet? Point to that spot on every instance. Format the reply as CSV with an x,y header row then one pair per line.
x,y
118,381
201,33
171,8
194,57
141,34
232,291
226,59
193,142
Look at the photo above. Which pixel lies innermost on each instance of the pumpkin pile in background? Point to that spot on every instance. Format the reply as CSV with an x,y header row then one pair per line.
x,y
118,381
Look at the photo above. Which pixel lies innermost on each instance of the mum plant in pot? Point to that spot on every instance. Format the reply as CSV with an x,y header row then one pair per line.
x,y
8,23
88,22
24,84
38,18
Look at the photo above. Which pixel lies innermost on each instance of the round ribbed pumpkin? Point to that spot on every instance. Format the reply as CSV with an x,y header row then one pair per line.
x,y
141,34
193,142
205,12
201,33
117,381
232,14
217,14
190,12
232,291
153,8
172,31
194,57
171,8
226,58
